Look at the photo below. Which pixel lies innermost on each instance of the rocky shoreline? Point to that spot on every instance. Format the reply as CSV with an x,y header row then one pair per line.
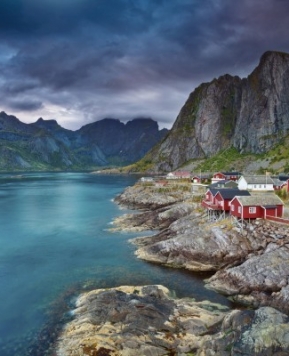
x,y
129,321
250,266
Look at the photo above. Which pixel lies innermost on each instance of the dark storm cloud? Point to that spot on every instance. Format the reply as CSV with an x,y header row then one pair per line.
x,y
24,105
126,58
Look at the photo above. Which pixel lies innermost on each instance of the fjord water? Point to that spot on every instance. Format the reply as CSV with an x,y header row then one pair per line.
x,y
55,241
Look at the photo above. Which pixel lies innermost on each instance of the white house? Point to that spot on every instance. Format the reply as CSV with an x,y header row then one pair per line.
x,y
146,179
256,183
179,175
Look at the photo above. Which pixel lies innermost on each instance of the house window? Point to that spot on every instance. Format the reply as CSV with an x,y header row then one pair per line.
x,y
239,209
264,185
260,186
232,207
252,210
255,186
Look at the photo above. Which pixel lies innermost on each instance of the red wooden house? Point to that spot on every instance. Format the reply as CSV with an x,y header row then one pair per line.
x,y
226,176
201,178
256,206
224,196
279,184
219,199
284,178
209,201
196,179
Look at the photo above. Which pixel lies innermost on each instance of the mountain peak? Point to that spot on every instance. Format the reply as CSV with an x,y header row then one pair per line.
x,y
250,115
272,57
46,122
269,54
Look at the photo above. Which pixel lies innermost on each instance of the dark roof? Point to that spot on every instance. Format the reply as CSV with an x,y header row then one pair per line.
x,y
231,173
283,177
231,193
213,191
223,183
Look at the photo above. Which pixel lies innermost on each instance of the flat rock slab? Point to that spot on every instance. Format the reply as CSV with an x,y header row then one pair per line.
x,y
146,321
137,321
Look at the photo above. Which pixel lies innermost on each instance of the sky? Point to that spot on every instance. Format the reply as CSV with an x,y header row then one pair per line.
x,y
79,61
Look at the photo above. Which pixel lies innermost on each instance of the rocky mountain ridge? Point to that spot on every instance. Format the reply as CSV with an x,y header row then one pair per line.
x,y
250,115
45,145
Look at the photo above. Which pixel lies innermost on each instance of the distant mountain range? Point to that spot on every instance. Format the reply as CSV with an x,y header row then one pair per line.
x,y
45,145
249,115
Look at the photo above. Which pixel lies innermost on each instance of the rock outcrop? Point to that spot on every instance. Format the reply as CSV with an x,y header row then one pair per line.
x,y
250,114
263,332
131,321
147,196
136,321
251,264
260,280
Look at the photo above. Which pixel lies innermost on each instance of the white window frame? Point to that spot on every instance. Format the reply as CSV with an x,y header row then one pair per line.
x,y
239,210
252,210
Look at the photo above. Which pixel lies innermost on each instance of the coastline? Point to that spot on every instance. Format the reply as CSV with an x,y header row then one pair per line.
x,y
184,239
251,266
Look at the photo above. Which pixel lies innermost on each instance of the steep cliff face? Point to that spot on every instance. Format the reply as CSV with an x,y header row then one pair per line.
x,y
249,114
46,145
264,116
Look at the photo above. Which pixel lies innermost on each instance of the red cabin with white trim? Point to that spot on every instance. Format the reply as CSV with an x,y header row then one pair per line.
x,y
234,176
224,196
256,206
219,199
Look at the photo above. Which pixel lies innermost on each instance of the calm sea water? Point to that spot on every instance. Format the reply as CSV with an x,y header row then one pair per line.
x,y
55,243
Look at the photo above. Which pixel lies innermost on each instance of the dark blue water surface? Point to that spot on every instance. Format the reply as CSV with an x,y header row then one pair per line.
x,y
55,243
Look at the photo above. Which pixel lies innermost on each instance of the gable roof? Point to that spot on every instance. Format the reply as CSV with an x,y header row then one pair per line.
x,y
260,200
223,183
258,179
283,177
231,193
231,173
213,191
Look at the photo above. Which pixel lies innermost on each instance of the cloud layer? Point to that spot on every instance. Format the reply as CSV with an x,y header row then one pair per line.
x,y
78,61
